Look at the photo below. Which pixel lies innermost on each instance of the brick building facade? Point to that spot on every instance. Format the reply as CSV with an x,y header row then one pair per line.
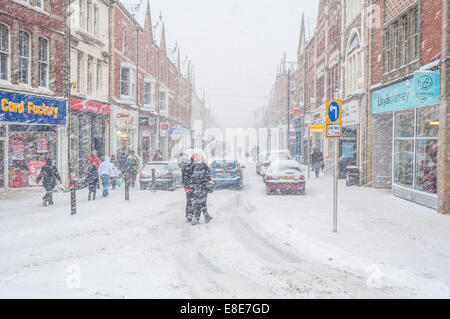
x,y
32,90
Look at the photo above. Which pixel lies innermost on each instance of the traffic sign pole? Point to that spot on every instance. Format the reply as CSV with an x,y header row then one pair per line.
x,y
334,130
335,190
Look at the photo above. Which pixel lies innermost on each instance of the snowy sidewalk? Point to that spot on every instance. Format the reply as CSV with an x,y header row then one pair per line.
x,y
257,246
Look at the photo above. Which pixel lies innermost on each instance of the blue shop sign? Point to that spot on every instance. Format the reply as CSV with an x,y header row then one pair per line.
x,y
31,109
421,90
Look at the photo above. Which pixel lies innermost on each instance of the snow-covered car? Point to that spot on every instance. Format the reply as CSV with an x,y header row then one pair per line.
x,y
227,173
273,156
167,175
285,176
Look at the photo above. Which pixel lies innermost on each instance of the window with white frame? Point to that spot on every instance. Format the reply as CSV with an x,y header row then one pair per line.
x,y
40,4
355,61
43,61
4,52
79,62
24,57
89,75
163,101
99,77
149,93
96,20
127,80
80,3
88,16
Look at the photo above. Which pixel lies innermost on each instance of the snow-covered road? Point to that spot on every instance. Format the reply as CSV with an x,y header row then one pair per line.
x,y
257,246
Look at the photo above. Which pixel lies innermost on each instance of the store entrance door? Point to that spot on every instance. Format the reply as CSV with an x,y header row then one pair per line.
x,y
383,125
2,164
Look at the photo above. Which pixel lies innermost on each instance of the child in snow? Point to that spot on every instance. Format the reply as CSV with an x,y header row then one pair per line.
x,y
93,181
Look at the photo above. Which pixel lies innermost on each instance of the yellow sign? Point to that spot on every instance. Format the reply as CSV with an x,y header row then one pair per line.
x,y
316,128
334,119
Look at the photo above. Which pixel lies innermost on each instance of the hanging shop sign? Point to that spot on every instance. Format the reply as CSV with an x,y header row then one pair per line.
x,y
316,128
89,106
421,90
31,109
296,112
350,113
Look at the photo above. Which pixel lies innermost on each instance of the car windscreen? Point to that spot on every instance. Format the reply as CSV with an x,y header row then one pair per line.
x,y
284,166
275,157
224,165
158,167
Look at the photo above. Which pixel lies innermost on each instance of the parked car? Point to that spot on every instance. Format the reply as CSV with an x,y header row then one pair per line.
x,y
167,175
285,176
226,173
260,161
274,156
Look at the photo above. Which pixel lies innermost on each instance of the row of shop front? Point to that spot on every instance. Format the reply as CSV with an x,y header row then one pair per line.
x,y
34,128
404,142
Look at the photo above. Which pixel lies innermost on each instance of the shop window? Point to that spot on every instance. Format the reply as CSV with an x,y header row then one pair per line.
x,y
428,121
43,62
4,52
404,124
24,57
29,146
403,162
426,165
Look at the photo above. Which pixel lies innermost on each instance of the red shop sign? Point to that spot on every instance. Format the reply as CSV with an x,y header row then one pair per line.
x,y
90,106
164,126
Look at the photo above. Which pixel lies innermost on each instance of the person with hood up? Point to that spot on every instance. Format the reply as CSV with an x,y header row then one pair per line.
x,y
48,174
186,179
94,159
202,185
114,175
317,160
157,156
133,166
93,181
105,172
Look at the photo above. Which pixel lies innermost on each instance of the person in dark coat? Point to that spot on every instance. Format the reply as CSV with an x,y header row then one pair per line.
x,y
187,169
202,185
49,175
93,181
317,160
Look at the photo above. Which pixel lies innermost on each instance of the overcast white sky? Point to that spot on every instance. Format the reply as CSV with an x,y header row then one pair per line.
x,y
235,46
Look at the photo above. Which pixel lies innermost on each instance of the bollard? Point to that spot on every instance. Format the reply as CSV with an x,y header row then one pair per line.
x,y
73,198
153,178
127,187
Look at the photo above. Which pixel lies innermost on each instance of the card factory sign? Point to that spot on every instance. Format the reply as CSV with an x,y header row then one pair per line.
x,y
31,109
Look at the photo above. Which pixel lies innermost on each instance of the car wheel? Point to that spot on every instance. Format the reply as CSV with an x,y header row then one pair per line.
x,y
143,186
174,186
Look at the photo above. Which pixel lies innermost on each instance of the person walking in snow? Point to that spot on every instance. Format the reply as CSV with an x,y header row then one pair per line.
x,y
49,175
317,160
114,175
93,181
94,159
202,185
105,172
157,156
132,166
187,170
